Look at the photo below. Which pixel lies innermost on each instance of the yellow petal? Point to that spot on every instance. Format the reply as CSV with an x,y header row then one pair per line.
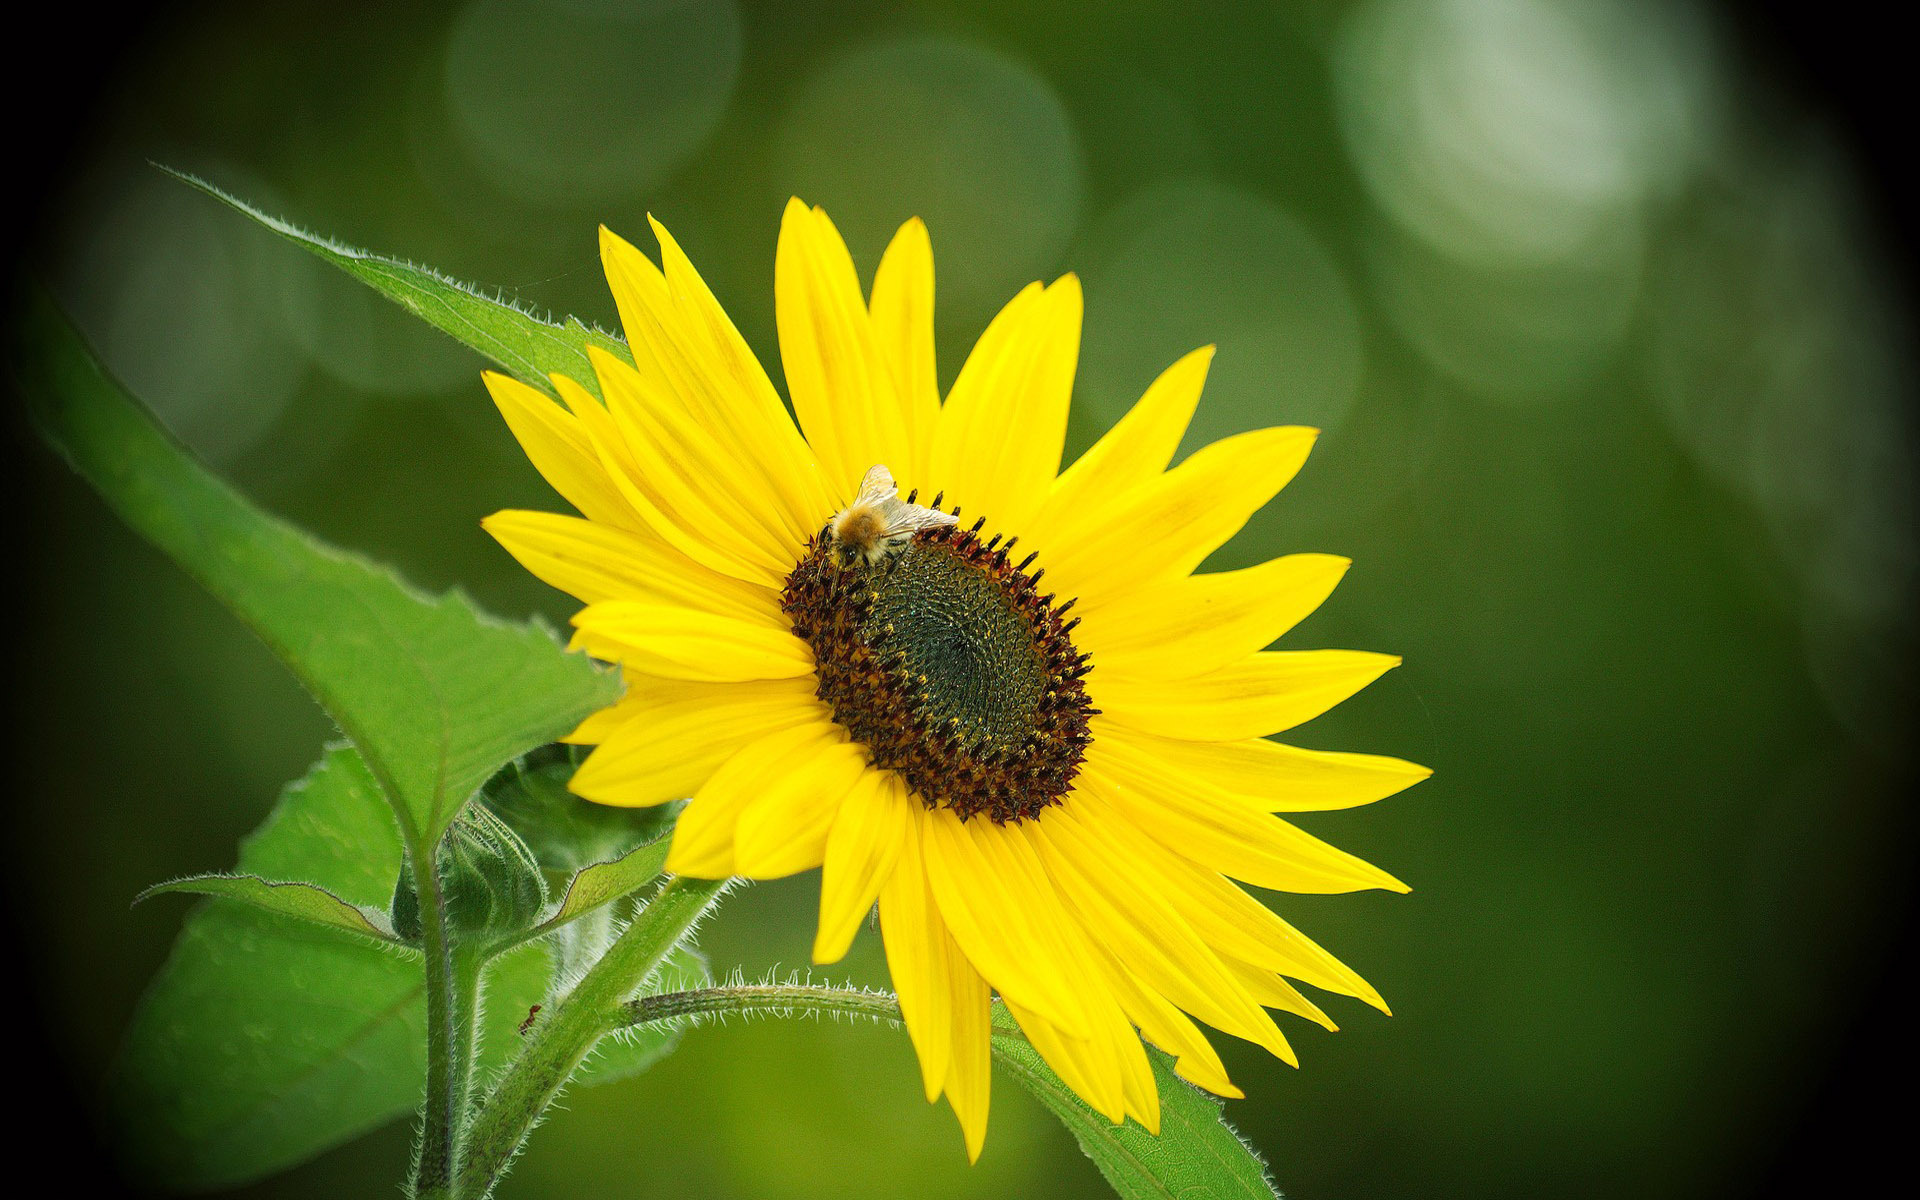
x,y
597,562
718,497
1165,528
600,726
969,1079
1265,693
868,831
902,312
1080,1063
1108,1069
607,443
684,345
1195,1059
842,388
1135,451
560,450
1115,1047
1188,626
1223,831
1235,924
646,311
1154,942
916,938
1270,990
664,739
733,387
1005,420
631,470
1286,778
996,900
703,837
1040,951
784,830
685,643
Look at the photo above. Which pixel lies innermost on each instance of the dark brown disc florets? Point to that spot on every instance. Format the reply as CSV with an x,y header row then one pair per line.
x,y
947,662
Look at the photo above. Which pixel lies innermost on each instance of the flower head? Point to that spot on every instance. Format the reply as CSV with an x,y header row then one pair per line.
x,y
1002,705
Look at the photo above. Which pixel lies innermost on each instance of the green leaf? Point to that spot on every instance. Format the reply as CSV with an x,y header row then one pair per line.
x,y
434,694
263,1041
522,344
300,901
603,883
1197,1154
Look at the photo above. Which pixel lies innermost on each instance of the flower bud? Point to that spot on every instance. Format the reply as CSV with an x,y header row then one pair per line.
x,y
490,881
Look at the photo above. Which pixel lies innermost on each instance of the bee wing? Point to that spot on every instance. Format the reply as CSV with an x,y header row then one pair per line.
x,y
877,487
878,491
908,519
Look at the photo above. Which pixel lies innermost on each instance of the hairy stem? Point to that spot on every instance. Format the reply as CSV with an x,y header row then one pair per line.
x,y
764,1000
453,985
594,1007
1010,1045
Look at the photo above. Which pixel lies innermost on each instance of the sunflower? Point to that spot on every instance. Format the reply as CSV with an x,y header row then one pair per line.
x,y
1002,706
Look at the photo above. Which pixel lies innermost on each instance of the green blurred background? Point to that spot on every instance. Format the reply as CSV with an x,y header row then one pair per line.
x,y
1614,380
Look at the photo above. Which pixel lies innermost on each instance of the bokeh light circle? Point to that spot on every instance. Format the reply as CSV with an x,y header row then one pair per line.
x,y
1773,365
576,102
364,340
168,285
1513,151
972,141
1508,131
1195,262
1517,334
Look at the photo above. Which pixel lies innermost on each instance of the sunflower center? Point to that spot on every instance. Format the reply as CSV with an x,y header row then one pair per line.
x,y
947,662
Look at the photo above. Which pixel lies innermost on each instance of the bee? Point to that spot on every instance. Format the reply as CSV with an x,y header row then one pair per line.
x,y
878,522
